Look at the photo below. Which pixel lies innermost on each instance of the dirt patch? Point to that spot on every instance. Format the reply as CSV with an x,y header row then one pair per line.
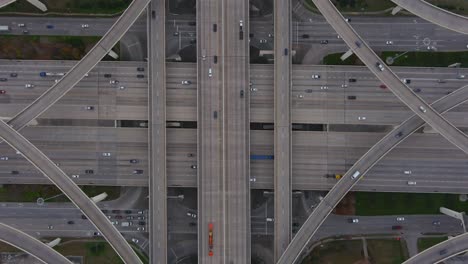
x,y
347,206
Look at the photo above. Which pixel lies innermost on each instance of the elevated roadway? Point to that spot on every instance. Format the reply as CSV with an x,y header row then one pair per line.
x,y
157,131
236,130
442,251
386,75
282,125
71,190
67,82
30,245
435,14
211,118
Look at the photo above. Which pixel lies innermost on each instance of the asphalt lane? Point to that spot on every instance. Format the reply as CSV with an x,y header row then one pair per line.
x,y
71,190
30,245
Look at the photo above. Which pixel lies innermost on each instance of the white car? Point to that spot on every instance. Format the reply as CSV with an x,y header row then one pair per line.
x,y
121,87
140,229
115,222
300,96
28,85
90,108
21,25
84,26
361,118
353,220
75,176
389,42
411,183
253,179
270,219
106,154
344,85
113,82
134,240
253,89
3,158
461,76
186,82
241,23
422,109
323,87
210,72
271,35
407,172
263,41
400,219
191,215
315,76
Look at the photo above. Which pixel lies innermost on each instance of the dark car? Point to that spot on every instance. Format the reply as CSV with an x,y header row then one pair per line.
x,y
104,211
50,26
416,90
215,27
70,222
215,59
399,135
306,36
133,161
13,74
383,86
141,222
140,69
14,172
153,14
324,41
107,75
3,79
242,93
215,114
251,35
192,23
128,211
351,80
2,92
351,97
138,172
443,252
285,52
140,76
89,171
83,217
397,227
116,211
118,217
192,224
193,41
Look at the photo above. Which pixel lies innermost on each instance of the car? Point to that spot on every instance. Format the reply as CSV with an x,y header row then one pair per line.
x,y
315,76
107,75
90,108
193,41
140,69
49,26
285,52
407,172
175,34
140,76
210,72
263,41
441,81
323,87
241,23
270,35
115,222
380,66
14,172
344,85
407,81
193,166
300,96
75,176
436,222
84,26
305,36
133,161
191,215
400,218
121,87
358,44
13,74
351,97
141,212
192,224
25,31
137,171
361,118
397,227
4,80
104,211
106,154
417,90
355,175
70,222
113,82
253,89
348,19
324,41
50,227
118,217
96,234
389,42
130,217
2,92
83,217
253,179
352,80
21,25
411,183
353,220
308,90
28,85
383,86
215,116
142,223
115,211
128,211
134,240
461,76
4,158
192,23
269,219
443,251
399,134
89,171
186,82
140,228
422,109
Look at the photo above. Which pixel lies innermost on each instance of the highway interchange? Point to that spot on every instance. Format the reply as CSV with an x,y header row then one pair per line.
x,y
306,97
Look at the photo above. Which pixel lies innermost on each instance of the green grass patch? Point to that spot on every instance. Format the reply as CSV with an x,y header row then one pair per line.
x,y
71,6
30,192
416,59
356,5
427,242
45,47
341,251
455,6
92,252
383,203
386,251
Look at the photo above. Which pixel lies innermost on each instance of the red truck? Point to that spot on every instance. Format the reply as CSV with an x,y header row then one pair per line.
x,y
210,239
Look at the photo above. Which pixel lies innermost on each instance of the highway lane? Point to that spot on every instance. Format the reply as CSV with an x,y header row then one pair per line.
x,y
211,114
376,65
236,128
282,126
30,245
435,15
157,132
71,190
66,83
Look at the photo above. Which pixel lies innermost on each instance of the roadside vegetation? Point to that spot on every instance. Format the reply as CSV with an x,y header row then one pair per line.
x,y
387,251
427,242
340,251
385,203
71,6
417,59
